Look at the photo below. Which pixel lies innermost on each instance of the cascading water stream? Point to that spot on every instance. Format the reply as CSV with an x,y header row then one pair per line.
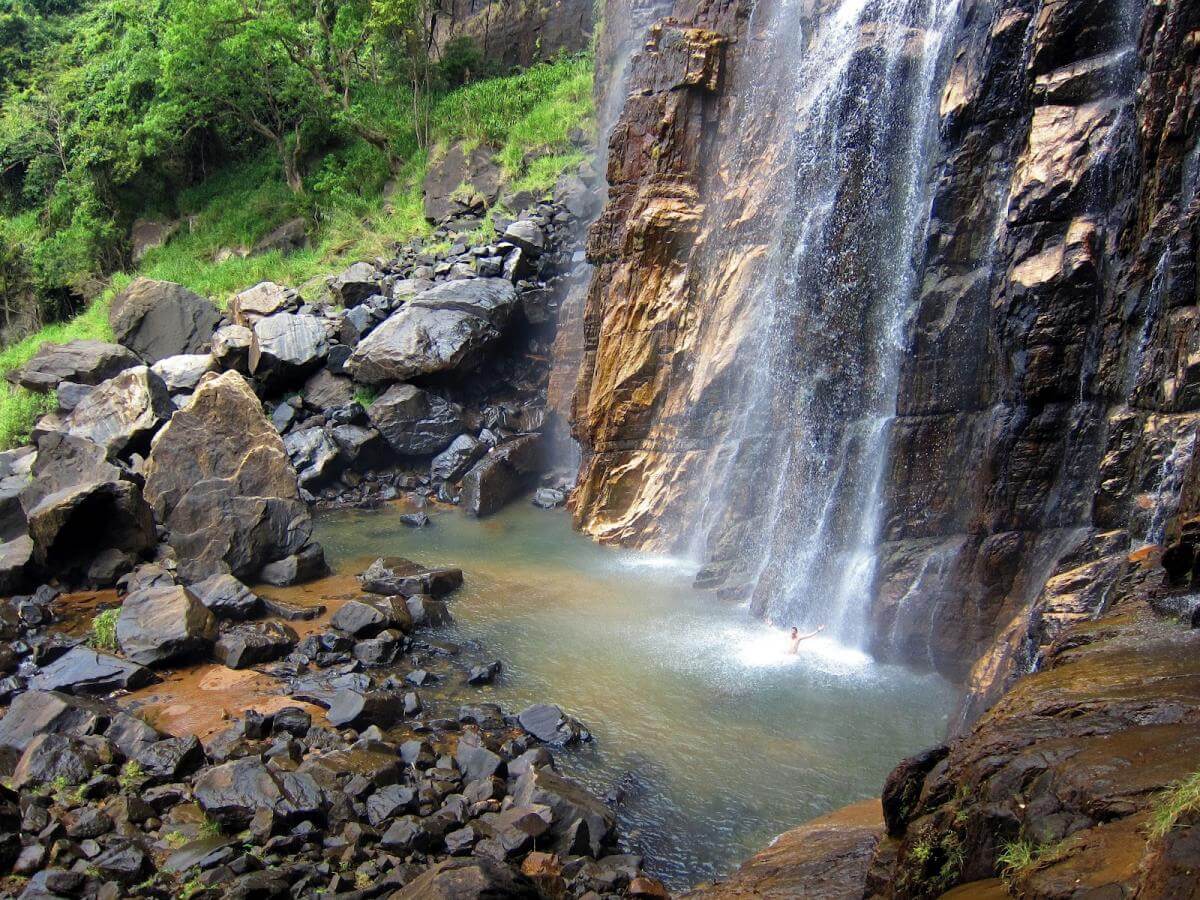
x,y
829,309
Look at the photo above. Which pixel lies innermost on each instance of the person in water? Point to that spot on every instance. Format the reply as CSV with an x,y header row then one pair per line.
x,y
797,637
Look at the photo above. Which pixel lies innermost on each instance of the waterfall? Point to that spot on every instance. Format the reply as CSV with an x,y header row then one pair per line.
x,y
853,91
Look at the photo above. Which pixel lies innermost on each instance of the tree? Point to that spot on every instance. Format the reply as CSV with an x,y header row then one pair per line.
x,y
224,60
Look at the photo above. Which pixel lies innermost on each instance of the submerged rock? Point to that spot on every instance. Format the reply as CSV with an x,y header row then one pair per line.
x,y
395,575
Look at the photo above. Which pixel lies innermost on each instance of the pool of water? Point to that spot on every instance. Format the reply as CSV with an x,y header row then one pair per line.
x,y
720,739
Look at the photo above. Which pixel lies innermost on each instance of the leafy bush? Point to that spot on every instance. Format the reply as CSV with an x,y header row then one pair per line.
x,y
104,630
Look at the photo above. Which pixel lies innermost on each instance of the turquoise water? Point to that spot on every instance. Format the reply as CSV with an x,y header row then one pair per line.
x,y
719,738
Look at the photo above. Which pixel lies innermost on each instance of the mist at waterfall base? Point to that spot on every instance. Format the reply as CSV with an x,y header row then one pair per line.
x,y
718,738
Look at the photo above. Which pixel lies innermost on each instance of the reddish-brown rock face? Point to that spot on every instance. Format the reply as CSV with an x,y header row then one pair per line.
x,y
1047,394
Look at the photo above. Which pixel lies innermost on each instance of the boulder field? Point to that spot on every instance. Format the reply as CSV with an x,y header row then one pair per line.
x,y
175,482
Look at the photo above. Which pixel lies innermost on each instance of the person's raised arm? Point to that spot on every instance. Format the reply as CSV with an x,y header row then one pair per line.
x,y
811,634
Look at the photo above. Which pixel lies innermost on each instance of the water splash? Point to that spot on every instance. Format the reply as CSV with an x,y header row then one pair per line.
x,y
830,310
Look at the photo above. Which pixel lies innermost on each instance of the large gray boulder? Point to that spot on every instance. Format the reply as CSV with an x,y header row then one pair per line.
x,y
502,475
157,319
231,348
580,822
182,373
264,299
16,564
446,328
158,624
325,390
233,792
219,479
415,422
313,453
286,347
356,284
77,504
453,462
123,413
79,362
46,712
82,670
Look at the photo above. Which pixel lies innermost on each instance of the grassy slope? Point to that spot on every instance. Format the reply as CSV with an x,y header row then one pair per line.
x,y
530,116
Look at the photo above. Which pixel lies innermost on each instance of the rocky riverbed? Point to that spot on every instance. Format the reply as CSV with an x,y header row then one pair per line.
x,y
182,723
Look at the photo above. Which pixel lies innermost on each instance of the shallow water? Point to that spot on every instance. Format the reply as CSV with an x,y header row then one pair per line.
x,y
720,738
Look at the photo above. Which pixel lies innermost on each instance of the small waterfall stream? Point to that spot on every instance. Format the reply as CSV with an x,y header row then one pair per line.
x,y
859,84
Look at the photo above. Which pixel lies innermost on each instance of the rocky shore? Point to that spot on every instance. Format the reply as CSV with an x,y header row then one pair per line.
x,y
168,493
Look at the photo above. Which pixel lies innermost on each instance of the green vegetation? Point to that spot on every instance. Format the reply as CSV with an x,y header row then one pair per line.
x,y
1180,798
175,839
104,630
131,775
1023,855
1017,856
233,120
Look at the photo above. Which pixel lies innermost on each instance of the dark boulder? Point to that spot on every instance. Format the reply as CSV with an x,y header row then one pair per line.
x,y
264,299
171,758
249,644
445,329
361,449
510,469
286,347
459,180
226,597
220,480
16,472
454,462
78,504
370,615
83,670
123,413
902,789
483,674
427,612
314,454
163,623
356,284
550,725
325,390
157,319
360,709
415,422
580,822
290,236
79,362
46,712
394,575
389,802
467,879
231,348
16,564
527,235
54,757
304,565
233,792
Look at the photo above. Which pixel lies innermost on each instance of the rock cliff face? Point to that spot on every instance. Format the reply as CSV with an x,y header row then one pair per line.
x,y
518,33
1047,402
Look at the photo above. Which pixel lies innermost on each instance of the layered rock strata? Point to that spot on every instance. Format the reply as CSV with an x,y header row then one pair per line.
x,y
1045,397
